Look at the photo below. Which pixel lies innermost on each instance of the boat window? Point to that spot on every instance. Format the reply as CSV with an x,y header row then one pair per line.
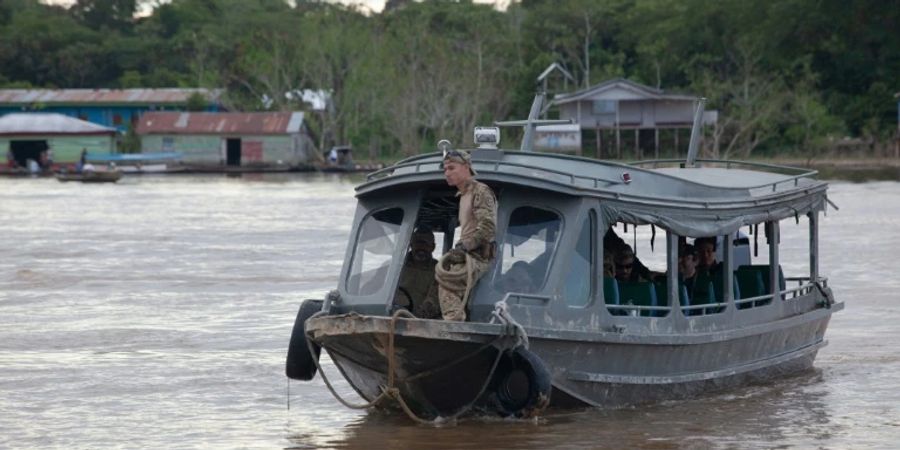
x,y
527,249
792,254
634,275
578,289
375,244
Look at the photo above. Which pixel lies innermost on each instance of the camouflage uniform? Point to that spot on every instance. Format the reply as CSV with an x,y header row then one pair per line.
x,y
477,220
417,279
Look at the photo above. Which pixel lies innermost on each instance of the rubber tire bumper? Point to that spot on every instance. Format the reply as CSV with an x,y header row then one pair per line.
x,y
300,364
522,385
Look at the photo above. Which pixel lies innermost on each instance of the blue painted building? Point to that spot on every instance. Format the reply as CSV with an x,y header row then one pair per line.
x,y
116,108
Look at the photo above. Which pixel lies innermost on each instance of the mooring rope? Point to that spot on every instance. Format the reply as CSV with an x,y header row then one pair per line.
x,y
392,391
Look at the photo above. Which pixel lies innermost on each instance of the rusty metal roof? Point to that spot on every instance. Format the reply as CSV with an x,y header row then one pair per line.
x,y
220,123
104,96
48,124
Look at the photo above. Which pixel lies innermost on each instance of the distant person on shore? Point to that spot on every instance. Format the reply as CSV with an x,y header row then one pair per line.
x,y
82,161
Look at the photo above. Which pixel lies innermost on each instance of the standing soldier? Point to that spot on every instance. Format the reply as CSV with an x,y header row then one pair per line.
x,y
461,267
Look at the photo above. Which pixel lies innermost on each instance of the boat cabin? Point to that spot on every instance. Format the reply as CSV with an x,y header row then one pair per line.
x,y
564,222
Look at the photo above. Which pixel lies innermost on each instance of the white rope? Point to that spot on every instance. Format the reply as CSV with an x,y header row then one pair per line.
x,y
501,315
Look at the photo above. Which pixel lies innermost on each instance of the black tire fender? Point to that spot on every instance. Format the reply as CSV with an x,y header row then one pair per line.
x,y
300,364
522,384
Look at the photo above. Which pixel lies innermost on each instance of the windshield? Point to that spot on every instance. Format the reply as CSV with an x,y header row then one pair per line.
x,y
372,256
527,249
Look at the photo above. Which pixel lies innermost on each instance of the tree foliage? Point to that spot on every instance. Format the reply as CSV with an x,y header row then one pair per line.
x,y
785,75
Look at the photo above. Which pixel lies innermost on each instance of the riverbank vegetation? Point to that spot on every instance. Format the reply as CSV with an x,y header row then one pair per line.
x,y
798,78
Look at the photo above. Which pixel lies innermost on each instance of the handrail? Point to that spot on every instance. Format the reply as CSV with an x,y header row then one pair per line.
x,y
595,181
795,178
802,287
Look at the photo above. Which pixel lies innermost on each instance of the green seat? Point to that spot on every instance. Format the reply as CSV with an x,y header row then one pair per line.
x,y
640,293
662,294
611,295
763,271
715,292
703,293
752,285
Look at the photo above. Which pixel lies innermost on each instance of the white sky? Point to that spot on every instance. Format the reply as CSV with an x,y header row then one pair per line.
x,y
372,5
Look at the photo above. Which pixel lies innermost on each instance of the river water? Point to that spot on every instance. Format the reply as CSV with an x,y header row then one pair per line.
x,y
156,312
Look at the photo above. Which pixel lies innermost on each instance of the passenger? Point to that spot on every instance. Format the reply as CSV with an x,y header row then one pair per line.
x,y
518,279
474,251
82,161
417,285
613,244
609,265
706,253
687,267
625,266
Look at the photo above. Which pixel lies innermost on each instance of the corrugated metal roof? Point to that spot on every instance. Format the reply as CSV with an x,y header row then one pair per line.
x,y
639,89
103,96
220,123
48,123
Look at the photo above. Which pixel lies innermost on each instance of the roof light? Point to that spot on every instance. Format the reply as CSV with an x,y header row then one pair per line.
x,y
487,137
626,177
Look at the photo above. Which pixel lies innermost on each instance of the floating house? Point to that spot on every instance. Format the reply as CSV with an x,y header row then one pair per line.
x,y
619,105
42,136
276,140
115,108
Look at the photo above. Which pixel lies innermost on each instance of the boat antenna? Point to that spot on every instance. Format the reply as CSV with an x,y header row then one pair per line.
x,y
695,134
532,122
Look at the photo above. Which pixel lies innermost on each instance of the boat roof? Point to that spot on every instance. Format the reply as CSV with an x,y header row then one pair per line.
x,y
712,197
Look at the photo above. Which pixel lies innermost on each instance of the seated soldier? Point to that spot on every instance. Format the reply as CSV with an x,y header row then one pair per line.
x,y
706,254
687,267
629,268
417,289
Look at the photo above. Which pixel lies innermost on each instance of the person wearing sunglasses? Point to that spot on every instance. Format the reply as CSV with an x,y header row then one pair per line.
x,y
474,251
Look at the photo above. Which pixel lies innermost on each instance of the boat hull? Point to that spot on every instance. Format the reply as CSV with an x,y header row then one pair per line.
x,y
587,369
91,177
438,371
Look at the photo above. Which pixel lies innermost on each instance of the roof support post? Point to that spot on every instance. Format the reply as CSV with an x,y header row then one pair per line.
x,y
672,277
637,144
774,281
813,245
728,273
656,142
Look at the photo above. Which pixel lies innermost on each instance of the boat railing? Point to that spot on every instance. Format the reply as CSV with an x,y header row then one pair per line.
x,y
803,173
804,287
519,298
419,164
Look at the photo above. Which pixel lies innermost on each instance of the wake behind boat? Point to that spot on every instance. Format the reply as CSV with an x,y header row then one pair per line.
x,y
552,322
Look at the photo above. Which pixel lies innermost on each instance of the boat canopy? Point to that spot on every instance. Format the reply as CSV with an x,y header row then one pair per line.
x,y
715,199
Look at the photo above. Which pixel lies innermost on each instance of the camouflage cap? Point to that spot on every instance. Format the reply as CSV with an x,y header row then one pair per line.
x,y
460,157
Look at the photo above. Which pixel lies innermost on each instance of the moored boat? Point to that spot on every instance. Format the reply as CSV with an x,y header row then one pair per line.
x,y
549,325
92,176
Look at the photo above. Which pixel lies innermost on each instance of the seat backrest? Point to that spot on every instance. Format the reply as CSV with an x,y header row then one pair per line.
x,y
641,293
610,291
751,281
715,294
764,272
662,292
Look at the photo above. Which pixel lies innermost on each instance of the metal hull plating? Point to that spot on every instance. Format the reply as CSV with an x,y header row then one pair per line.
x,y
438,370
595,369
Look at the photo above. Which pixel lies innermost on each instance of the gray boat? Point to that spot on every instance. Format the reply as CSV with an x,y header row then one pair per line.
x,y
547,325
